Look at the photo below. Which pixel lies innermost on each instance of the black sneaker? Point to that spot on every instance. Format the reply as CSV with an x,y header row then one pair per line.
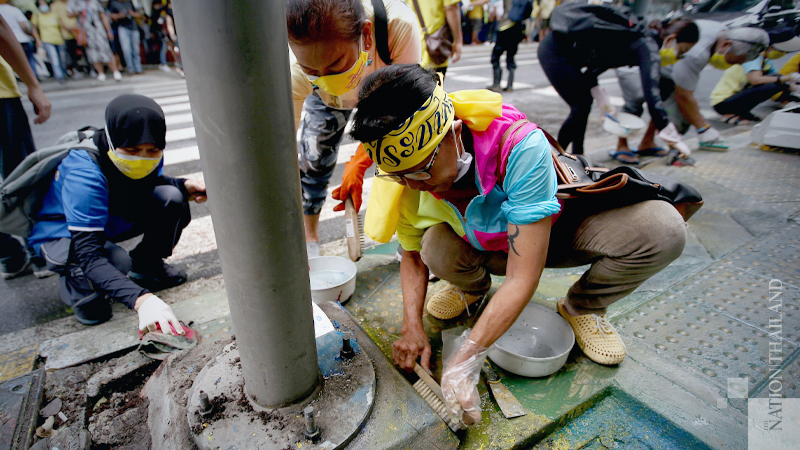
x,y
40,269
93,310
15,266
157,276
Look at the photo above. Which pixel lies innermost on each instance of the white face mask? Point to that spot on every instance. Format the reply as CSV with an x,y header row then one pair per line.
x,y
464,160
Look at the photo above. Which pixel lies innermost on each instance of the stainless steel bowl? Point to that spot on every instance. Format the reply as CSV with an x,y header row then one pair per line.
x,y
537,345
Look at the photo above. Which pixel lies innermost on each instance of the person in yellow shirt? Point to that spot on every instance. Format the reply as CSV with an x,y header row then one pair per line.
x,y
436,14
333,45
49,28
745,86
16,142
475,16
68,25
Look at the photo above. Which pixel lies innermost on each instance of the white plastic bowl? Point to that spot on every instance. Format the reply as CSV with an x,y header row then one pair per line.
x,y
628,124
537,345
332,278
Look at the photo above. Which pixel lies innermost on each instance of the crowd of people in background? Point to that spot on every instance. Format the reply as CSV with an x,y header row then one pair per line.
x,y
73,39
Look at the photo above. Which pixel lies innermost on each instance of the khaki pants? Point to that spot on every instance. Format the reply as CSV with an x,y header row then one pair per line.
x,y
625,247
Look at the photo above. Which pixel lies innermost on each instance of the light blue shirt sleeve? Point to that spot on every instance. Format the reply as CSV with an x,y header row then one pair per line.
x,y
530,182
754,65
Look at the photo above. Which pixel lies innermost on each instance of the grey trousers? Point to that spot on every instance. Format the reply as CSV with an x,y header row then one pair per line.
x,y
625,246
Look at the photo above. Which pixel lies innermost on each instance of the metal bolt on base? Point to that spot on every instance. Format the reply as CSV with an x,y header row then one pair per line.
x,y
206,408
311,431
347,349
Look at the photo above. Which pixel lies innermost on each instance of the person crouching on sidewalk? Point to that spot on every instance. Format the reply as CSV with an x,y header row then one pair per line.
x,y
97,200
439,188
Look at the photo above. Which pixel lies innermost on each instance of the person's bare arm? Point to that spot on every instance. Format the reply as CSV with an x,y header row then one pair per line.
x,y
527,253
689,108
171,28
453,17
12,53
107,26
414,343
757,77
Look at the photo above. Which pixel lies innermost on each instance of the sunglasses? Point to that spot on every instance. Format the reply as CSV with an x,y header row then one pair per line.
x,y
418,175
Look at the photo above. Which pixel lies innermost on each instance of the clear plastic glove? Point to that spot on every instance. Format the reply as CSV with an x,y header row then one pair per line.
x,y
671,136
710,135
154,311
603,100
352,180
460,383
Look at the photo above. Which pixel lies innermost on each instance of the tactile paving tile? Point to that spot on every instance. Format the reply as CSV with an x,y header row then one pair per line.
x,y
700,340
769,177
747,297
771,257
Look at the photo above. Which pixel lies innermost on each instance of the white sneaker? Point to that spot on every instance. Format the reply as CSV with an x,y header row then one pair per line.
x,y
117,76
164,68
101,77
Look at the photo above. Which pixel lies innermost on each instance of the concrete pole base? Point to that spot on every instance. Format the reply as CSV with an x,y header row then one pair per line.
x,y
340,406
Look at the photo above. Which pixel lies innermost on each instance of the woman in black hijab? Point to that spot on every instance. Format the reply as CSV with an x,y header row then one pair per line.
x,y
118,193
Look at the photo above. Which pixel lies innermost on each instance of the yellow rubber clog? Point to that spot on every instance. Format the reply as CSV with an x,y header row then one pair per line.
x,y
450,302
596,336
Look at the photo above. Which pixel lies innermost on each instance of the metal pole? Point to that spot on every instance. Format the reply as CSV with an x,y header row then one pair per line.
x,y
237,71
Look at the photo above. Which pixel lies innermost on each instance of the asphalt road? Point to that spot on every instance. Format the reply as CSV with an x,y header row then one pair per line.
x,y
28,301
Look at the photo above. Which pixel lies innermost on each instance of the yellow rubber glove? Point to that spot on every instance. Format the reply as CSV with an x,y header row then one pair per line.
x,y
352,180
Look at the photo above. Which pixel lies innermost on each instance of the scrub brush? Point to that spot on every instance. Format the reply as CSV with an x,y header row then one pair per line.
x,y
354,229
430,391
715,146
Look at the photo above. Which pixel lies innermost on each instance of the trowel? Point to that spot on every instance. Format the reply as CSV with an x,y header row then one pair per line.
x,y
505,399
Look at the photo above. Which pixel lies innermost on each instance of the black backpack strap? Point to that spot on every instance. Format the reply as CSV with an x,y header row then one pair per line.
x,y
381,27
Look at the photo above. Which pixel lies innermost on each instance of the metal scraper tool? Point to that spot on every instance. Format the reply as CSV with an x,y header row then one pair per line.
x,y
505,399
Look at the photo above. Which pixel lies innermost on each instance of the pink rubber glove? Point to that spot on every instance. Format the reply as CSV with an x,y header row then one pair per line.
x,y
460,383
352,180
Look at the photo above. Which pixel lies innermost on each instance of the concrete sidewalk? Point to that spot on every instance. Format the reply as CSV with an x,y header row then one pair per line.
x,y
697,334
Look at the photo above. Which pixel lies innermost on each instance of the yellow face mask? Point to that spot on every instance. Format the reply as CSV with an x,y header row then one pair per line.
x,y
775,54
668,56
718,60
134,167
341,83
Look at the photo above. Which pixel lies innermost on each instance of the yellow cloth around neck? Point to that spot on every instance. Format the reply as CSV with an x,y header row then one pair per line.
x,y
477,109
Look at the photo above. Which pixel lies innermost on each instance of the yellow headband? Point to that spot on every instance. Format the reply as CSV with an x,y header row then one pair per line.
x,y
417,137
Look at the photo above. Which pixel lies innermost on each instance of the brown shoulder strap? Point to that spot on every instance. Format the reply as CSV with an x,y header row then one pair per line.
x,y
421,20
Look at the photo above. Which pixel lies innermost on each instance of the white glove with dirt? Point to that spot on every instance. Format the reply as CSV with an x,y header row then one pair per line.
x,y
154,311
671,136
603,100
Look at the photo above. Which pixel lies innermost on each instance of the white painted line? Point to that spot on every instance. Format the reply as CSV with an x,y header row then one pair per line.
x,y
171,100
484,80
181,134
173,119
177,107
487,66
181,155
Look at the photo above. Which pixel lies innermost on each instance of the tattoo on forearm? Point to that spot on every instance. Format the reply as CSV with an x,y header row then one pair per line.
x,y
511,238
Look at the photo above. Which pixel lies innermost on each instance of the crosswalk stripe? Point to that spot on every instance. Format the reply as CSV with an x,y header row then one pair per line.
x,y
177,107
173,119
181,155
171,99
484,80
181,134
